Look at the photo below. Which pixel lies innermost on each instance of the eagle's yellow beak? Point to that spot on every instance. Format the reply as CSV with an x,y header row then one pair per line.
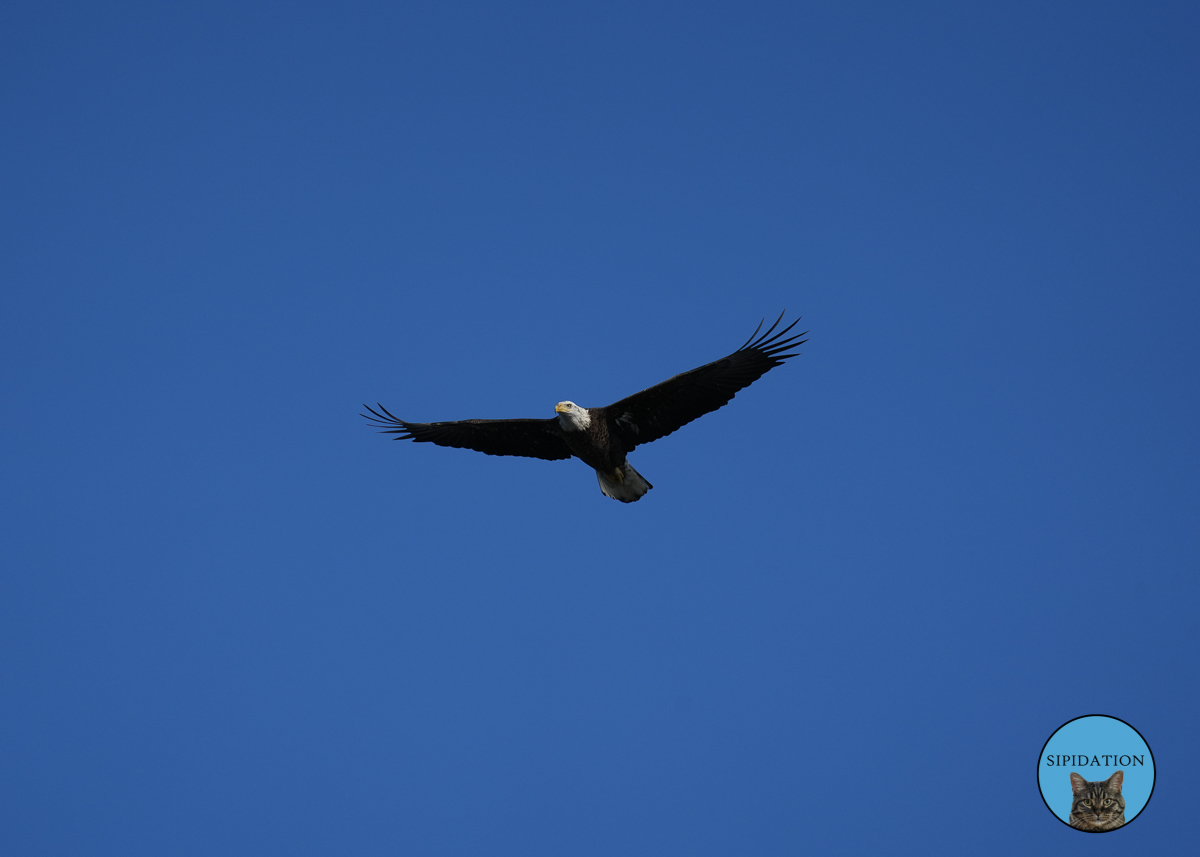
x,y
560,408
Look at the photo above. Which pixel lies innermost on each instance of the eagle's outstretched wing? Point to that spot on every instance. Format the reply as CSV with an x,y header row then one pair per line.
x,y
665,407
531,438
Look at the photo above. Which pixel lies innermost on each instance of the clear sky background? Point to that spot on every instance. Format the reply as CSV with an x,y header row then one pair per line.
x,y
859,599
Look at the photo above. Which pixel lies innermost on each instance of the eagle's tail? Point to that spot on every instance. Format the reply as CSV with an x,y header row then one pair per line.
x,y
624,483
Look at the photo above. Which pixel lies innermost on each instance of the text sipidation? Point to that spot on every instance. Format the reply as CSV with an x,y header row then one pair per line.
x,y
1084,761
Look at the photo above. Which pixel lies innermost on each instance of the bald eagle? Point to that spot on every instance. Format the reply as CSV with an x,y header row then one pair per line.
x,y
602,437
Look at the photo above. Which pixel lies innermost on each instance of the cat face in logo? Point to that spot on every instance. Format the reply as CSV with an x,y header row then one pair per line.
x,y
1097,806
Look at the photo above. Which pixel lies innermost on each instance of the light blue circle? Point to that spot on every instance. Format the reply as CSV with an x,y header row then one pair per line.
x,y
1095,739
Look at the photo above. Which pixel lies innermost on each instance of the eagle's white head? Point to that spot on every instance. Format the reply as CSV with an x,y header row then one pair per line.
x,y
572,417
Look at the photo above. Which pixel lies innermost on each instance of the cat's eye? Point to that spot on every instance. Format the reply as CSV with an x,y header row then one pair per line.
x,y
1107,802
1087,803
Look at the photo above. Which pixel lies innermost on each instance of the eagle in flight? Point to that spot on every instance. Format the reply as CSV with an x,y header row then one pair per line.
x,y
603,437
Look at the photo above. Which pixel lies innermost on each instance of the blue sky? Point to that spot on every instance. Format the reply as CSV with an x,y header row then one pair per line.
x,y
857,602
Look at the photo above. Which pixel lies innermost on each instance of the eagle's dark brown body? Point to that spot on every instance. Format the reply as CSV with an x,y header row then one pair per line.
x,y
596,446
603,437
593,437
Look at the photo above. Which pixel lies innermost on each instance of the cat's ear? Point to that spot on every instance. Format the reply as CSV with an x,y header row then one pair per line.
x,y
1114,782
1077,783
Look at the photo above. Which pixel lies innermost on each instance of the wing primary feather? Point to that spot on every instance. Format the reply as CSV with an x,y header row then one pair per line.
x,y
772,327
402,433
767,339
786,329
779,345
389,413
756,330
